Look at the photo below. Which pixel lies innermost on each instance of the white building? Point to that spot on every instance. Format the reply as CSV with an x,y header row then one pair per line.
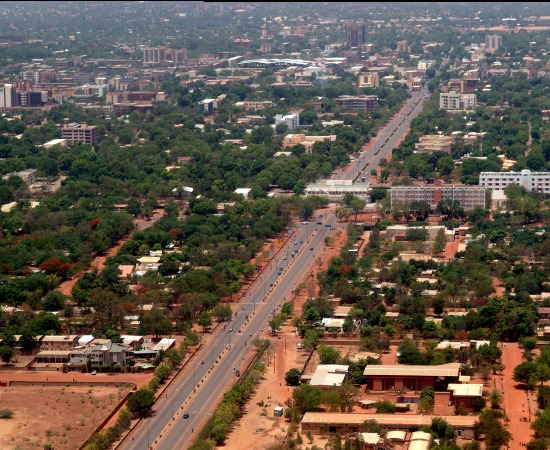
x,y
532,181
456,101
292,121
493,42
7,94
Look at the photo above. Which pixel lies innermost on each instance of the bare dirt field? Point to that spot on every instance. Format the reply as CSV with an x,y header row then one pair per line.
x,y
64,416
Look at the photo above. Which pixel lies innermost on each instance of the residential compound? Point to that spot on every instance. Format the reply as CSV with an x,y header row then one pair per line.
x,y
454,101
532,181
469,197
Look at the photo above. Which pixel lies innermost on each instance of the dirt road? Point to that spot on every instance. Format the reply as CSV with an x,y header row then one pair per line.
x,y
518,404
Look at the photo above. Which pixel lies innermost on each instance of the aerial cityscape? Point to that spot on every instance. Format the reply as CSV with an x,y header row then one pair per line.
x,y
308,225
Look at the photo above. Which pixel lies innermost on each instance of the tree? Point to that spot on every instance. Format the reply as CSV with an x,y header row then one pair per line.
x,y
439,243
204,320
526,373
541,425
438,305
292,377
495,399
328,354
6,354
307,398
489,425
141,402
385,407
155,322
54,301
223,312
543,397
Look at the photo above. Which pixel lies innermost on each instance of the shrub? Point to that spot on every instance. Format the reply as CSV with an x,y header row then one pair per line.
x,y
6,413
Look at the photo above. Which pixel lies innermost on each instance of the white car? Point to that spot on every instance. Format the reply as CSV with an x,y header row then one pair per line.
x,y
305,222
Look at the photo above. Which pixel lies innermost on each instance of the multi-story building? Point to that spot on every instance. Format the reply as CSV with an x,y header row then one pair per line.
x,y
292,121
532,181
7,96
469,197
258,104
80,133
453,101
402,46
355,34
291,140
493,42
153,55
368,79
362,103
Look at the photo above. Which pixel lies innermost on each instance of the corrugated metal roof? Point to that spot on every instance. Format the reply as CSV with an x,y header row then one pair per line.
x,y
443,370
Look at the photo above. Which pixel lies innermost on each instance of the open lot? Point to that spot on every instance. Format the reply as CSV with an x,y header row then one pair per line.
x,y
63,415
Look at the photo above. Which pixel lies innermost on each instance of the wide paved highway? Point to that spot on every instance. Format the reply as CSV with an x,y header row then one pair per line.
x,y
263,298
186,393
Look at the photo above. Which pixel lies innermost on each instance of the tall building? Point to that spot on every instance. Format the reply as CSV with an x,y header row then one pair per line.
x,y
532,181
7,96
369,79
155,55
493,42
402,46
355,34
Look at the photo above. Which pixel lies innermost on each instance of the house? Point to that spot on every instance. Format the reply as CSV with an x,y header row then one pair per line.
x,y
465,393
100,352
131,322
330,323
66,342
131,340
389,377
126,271
341,312
329,375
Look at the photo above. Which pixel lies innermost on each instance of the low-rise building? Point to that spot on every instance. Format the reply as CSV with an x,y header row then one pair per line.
x,y
291,140
342,423
327,376
434,143
416,378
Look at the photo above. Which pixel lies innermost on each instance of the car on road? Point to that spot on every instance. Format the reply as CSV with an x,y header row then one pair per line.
x,y
284,257
319,223
301,242
186,415
305,222
94,372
